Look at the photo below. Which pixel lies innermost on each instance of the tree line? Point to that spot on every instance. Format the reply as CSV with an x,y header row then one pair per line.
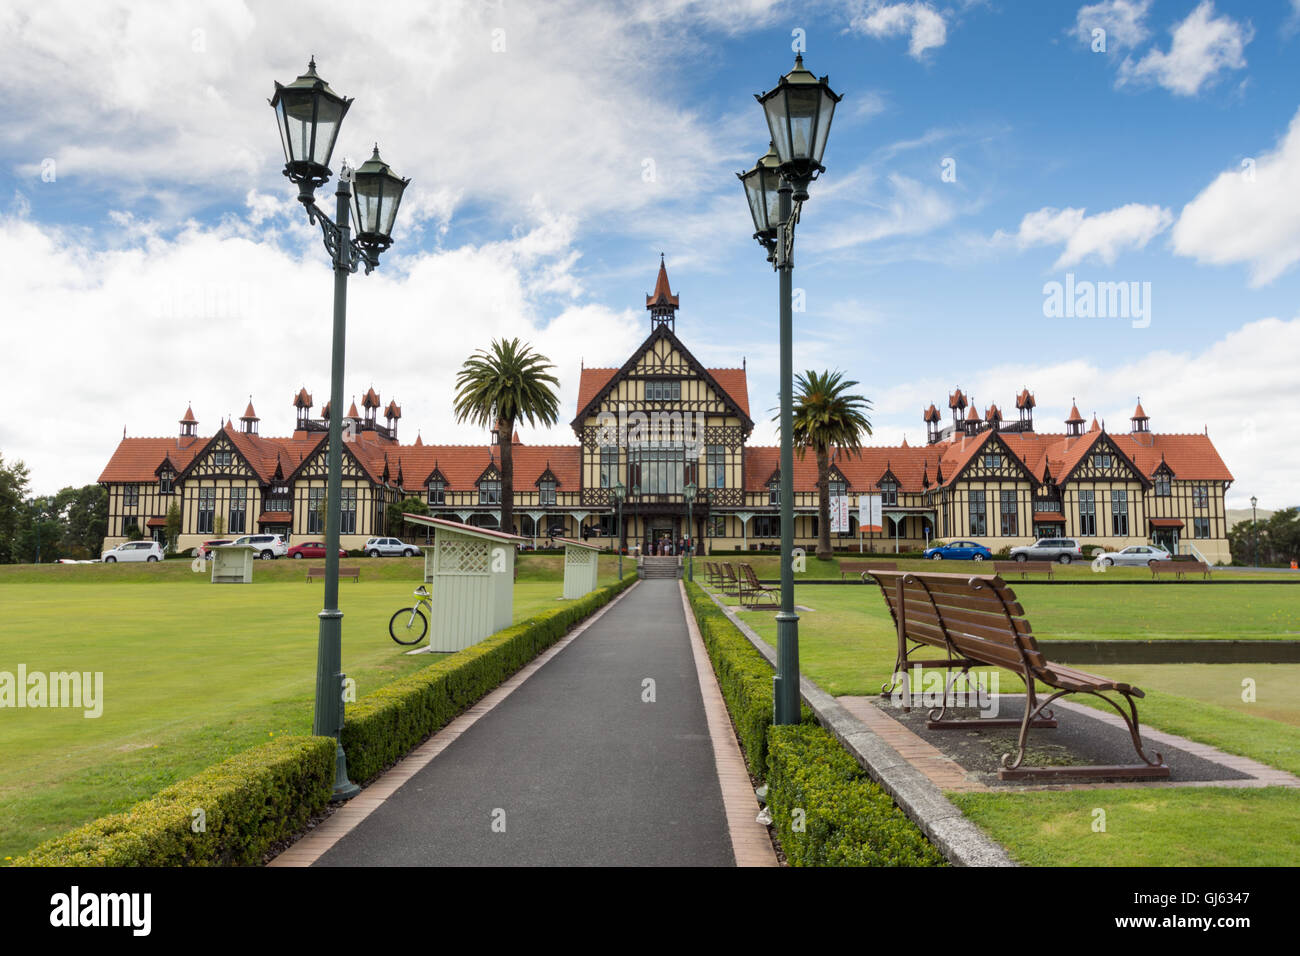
x,y
70,524
1275,540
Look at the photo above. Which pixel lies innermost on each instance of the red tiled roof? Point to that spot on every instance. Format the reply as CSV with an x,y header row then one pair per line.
x,y
352,410
249,414
302,399
1075,417
1024,399
957,400
137,459
189,416
931,414
1138,414
370,399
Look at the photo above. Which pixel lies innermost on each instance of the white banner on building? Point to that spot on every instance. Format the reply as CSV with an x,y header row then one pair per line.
x,y
839,514
870,517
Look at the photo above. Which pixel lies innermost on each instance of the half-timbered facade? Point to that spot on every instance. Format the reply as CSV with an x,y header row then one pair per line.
x,y
663,421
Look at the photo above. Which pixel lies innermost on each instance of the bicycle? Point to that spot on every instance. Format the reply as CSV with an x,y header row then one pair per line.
x,y
409,625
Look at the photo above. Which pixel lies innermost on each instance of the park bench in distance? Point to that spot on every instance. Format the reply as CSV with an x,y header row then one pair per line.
x,y
319,572
754,596
1025,568
731,585
862,567
712,576
1179,569
976,620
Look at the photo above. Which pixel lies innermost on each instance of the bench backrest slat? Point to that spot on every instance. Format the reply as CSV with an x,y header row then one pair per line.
x,y
976,616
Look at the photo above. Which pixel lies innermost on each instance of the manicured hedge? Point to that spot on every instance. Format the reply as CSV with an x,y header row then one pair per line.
x,y
249,802
846,819
385,725
744,677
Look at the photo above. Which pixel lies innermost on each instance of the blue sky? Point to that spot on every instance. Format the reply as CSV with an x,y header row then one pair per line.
x,y
155,256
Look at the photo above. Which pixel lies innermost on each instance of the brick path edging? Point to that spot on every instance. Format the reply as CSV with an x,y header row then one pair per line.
x,y
953,834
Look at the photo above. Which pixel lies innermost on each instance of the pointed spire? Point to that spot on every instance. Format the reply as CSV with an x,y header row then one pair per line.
x,y
662,303
419,442
1095,427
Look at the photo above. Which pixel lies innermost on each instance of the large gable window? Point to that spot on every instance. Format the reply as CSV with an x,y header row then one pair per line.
x,y
663,390
222,458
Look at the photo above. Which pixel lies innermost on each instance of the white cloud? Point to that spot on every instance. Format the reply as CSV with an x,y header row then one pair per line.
x,y
1104,235
128,335
924,27
907,207
1183,392
1203,45
167,103
1248,215
1121,19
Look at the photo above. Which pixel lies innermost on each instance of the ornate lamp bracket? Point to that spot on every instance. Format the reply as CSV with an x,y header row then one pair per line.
x,y
345,255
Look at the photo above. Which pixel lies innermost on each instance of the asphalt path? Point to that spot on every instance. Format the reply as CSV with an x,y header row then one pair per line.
x,y
578,766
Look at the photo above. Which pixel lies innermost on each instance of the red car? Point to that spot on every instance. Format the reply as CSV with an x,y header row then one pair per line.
x,y
312,549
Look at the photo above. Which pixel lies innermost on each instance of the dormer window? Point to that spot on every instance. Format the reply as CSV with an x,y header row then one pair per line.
x,y
165,481
774,491
889,492
546,491
437,491
489,489
1164,487
837,487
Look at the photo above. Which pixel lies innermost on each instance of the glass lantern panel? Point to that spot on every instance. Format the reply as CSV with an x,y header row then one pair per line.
x,y
827,110
775,111
295,107
390,197
772,190
804,104
329,115
365,204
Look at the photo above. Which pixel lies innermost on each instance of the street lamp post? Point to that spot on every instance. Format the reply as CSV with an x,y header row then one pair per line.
x,y
689,492
1254,527
798,111
308,114
619,491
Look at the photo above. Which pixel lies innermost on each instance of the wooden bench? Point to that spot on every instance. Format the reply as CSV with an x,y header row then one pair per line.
x,y
731,585
755,596
1179,569
862,567
976,620
319,572
1026,568
712,576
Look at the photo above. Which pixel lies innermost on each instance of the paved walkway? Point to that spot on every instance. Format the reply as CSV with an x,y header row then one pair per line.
x,y
567,766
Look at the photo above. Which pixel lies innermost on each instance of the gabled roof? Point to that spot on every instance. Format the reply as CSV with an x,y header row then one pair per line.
x,y
370,399
729,383
140,459
302,399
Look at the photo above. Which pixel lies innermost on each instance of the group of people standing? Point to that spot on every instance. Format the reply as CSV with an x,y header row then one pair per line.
x,y
665,546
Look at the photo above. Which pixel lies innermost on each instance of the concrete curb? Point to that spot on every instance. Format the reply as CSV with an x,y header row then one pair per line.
x,y
957,838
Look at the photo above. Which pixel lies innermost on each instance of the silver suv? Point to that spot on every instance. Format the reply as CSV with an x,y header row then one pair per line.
x,y
1064,550
390,548
267,546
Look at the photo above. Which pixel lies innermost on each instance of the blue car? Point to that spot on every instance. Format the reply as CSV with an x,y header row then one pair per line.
x,y
959,551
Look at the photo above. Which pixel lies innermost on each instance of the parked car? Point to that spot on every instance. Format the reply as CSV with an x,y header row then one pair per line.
x,y
1139,555
205,549
1064,550
134,551
269,546
959,551
312,549
390,548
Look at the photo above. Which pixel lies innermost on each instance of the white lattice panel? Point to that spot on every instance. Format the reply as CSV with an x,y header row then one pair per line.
x,y
462,556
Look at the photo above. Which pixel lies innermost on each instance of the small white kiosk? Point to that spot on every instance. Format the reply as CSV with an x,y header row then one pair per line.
x,y
472,576
232,563
581,566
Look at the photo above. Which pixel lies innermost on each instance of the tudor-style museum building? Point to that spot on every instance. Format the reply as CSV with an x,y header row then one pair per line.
x,y
663,421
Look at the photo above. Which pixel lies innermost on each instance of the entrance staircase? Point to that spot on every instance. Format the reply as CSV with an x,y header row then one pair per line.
x,y
660,566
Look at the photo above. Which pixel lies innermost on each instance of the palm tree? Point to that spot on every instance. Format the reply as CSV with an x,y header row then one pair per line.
x,y
498,387
825,416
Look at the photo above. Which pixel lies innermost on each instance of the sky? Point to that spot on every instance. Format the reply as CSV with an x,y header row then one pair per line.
x,y
986,157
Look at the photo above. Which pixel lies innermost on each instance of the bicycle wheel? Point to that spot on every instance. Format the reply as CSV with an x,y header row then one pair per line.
x,y
408,626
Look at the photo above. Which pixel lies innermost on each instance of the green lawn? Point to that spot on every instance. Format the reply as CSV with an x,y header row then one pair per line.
x,y
1208,826
847,645
192,672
